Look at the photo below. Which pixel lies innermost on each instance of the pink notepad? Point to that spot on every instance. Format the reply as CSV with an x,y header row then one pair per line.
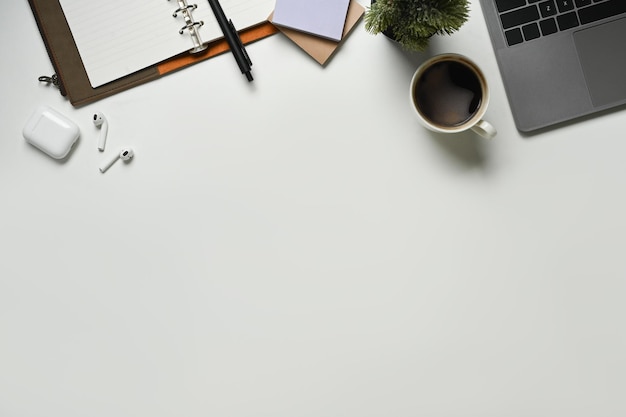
x,y
325,18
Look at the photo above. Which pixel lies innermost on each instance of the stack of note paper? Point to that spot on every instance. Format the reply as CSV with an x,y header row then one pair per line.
x,y
317,26
325,18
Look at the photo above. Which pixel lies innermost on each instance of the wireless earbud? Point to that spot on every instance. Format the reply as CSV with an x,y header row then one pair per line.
x,y
125,155
101,122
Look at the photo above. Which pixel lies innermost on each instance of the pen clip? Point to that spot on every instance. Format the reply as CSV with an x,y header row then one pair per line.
x,y
241,47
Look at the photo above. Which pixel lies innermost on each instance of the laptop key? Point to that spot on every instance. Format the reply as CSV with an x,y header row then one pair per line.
x,y
531,31
520,17
565,5
513,36
547,8
548,27
567,21
601,11
505,5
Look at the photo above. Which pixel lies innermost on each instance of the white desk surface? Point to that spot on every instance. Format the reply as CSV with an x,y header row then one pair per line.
x,y
315,252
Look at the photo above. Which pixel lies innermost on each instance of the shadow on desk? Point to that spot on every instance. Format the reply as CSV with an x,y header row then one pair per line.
x,y
466,148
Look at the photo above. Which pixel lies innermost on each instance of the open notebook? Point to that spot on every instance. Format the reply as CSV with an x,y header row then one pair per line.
x,y
116,38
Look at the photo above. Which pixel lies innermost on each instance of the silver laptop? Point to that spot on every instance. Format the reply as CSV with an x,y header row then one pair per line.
x,y
559,59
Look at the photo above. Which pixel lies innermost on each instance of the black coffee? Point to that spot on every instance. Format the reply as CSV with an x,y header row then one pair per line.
x,y
448,93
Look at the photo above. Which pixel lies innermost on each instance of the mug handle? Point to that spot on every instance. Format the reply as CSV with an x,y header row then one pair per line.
x,y
485,129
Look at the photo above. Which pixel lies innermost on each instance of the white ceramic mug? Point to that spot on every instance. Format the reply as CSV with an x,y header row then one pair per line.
x,y
449,94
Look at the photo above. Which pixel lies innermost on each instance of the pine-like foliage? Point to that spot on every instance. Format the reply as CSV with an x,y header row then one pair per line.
x,y
413,22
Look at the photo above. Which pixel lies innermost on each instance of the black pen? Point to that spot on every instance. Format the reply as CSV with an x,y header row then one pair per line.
x,y
232,37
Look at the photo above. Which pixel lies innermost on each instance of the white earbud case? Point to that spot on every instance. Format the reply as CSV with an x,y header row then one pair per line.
x,y
51,132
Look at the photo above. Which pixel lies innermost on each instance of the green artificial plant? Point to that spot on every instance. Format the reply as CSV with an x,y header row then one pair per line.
x,y
412,22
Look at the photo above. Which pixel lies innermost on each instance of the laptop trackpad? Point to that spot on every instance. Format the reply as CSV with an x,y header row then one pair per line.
x,y
603,57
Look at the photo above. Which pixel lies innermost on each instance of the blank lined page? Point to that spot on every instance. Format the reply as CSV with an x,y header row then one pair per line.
x,y
118,37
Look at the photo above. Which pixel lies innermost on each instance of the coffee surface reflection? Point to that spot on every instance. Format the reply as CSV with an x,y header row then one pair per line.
x,y
448,94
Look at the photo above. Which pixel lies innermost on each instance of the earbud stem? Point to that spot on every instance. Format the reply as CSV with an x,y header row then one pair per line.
x,y
103,136
108,164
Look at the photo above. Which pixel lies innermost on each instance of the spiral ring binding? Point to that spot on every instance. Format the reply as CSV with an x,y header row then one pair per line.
x,y
190,25
181,9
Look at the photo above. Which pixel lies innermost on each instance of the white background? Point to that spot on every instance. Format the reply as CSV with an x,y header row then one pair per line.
x,y
301,246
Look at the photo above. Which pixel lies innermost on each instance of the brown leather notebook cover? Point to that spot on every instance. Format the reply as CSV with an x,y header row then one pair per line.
x,y
68,66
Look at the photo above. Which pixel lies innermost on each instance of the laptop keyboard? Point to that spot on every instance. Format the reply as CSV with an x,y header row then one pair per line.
x,y
525,20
